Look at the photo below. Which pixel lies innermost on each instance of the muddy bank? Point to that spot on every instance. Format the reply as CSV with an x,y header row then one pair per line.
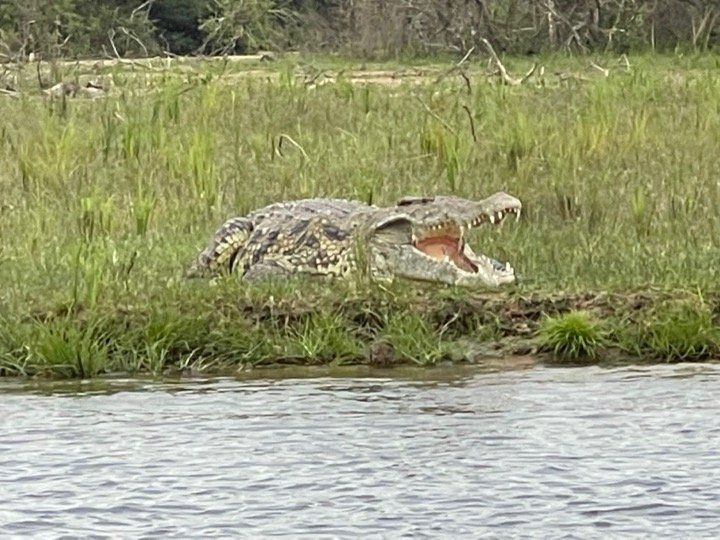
x,y
226,328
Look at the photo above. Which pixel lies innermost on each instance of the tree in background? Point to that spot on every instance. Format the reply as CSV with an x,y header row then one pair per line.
x,y
239,26
178,24
427,26
72,28
97,28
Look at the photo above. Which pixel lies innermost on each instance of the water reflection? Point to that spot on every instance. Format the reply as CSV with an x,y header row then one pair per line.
x,y
337,377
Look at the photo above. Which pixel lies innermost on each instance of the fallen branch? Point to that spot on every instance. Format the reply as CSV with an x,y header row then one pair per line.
x,y
11,93
459,69
148,4
111,36
467,81
529,74
562,77
550,6
135,39
604,71
625,61
467,55
504,75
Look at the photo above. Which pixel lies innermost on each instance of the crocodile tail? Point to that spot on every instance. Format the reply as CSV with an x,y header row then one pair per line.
x,y
219,256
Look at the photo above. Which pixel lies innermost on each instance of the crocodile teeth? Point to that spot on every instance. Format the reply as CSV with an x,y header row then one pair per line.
x,y
494,217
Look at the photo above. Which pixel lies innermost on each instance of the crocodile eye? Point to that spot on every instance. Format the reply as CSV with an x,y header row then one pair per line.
x,y
394,222
407,201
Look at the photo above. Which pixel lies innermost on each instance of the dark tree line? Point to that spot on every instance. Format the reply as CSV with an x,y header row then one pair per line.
x,y
92,28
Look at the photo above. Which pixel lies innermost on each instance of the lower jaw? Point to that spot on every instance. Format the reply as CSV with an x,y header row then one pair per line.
x,y
479,269
482,272
486,269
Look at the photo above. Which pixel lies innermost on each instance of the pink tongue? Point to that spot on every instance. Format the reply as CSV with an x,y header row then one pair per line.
x,y
440,247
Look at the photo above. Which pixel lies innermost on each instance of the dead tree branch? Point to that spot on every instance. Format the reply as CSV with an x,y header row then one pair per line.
x,y
504,75
604,71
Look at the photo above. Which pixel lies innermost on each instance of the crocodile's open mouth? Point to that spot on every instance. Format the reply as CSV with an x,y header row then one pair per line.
x,y
427,243
445,242
446,245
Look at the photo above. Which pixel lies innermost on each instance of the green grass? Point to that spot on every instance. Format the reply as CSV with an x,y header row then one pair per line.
x,y
682,328
104,202
572,336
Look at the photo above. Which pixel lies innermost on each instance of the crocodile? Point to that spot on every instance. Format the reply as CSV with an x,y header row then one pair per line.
x,y
419,238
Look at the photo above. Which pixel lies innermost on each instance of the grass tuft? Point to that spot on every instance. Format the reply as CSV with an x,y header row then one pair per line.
x,y
681,329
572,336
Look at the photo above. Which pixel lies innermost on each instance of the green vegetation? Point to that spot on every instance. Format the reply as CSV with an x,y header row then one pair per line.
x,y
685,328
573,335
105,202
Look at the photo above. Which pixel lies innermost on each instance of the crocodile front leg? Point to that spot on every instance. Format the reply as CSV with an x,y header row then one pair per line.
x,y
264,271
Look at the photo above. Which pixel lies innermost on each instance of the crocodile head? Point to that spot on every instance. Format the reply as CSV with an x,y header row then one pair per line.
x,y
424,239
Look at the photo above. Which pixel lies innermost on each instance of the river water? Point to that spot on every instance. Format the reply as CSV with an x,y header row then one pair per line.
x,y
540,452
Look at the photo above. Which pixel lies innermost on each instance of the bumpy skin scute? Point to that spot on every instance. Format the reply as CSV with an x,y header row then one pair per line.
x,y
218,256
309,245
242,242
336,237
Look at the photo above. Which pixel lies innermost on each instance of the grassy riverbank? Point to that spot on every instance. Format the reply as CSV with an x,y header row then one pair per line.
x,y
105,201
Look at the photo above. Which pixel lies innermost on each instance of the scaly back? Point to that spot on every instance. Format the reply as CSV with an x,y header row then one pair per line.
x,y
234,234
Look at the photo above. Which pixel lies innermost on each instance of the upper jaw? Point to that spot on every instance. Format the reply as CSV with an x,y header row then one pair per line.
x,y
494,215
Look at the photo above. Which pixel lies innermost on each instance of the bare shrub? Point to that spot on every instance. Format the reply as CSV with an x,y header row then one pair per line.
x,y
422,26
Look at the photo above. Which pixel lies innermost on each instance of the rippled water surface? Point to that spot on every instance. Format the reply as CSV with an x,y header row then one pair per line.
x,y
576,452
